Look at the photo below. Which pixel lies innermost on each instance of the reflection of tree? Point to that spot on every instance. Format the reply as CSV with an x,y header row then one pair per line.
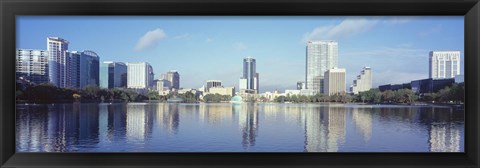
x,y
214,114
324,128
362,117
248,121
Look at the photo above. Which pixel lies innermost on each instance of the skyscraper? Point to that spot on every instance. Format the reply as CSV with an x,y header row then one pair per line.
x,y
83,69
363,81
113,74
58,61
320,57
335,81
139,75
250,75
32,65
444,64
174,77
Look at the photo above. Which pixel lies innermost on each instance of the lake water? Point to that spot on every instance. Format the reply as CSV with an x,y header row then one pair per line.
x,y
222,127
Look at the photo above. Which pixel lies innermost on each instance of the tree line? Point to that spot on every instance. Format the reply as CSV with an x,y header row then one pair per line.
x,y
454,93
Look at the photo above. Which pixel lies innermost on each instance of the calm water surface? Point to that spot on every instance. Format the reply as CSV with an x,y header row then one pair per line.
x,y
162,127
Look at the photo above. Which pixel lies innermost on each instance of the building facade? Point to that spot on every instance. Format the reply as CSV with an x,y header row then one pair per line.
x,y
250,75
83,69
320,57
363,81
139,75
162,85
213,83
174,78
32,65
301,85
335,81
58,61
113,75
230,91
444,64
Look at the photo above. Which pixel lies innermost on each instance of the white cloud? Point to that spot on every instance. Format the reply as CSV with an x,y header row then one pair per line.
x,y
150,39
348,27
208,40
430,31
182,36
239,46
399,19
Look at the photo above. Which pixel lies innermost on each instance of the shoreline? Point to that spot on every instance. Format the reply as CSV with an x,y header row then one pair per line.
x,y
456,105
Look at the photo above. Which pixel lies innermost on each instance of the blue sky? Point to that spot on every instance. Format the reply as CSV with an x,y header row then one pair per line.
x,y
212,47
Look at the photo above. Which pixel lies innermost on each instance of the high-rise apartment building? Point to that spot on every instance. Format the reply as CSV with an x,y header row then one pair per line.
x,y
174,77
335,81
444,64
213,83
321,56
250,75
113,74
32,65
139,75
58,61
83,69
363,81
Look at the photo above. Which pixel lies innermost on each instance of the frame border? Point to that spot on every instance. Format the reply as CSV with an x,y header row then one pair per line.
x,y
9,9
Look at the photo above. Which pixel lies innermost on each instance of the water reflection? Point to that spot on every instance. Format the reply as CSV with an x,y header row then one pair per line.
x,y
304,127
363,118
248,123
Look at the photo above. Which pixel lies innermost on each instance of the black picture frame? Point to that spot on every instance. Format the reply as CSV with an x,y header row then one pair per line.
x,y
9,9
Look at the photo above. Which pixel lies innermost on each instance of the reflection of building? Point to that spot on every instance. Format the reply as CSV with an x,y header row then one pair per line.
x,y
139,122
444,137
248,121
362,117
168,117
444,64
321,56
31,129
324,128
334,81
32,65
214,114
88,123
113,74
363,81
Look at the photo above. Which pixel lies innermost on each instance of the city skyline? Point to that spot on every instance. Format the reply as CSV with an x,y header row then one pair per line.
x,y
167,44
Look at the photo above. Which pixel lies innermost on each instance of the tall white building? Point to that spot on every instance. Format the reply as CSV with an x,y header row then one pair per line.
x,y
363,81
139,75
58,61
321,56
444,64
335,81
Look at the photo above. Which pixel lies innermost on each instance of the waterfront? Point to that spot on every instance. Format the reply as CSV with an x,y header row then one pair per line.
x,y
223,127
